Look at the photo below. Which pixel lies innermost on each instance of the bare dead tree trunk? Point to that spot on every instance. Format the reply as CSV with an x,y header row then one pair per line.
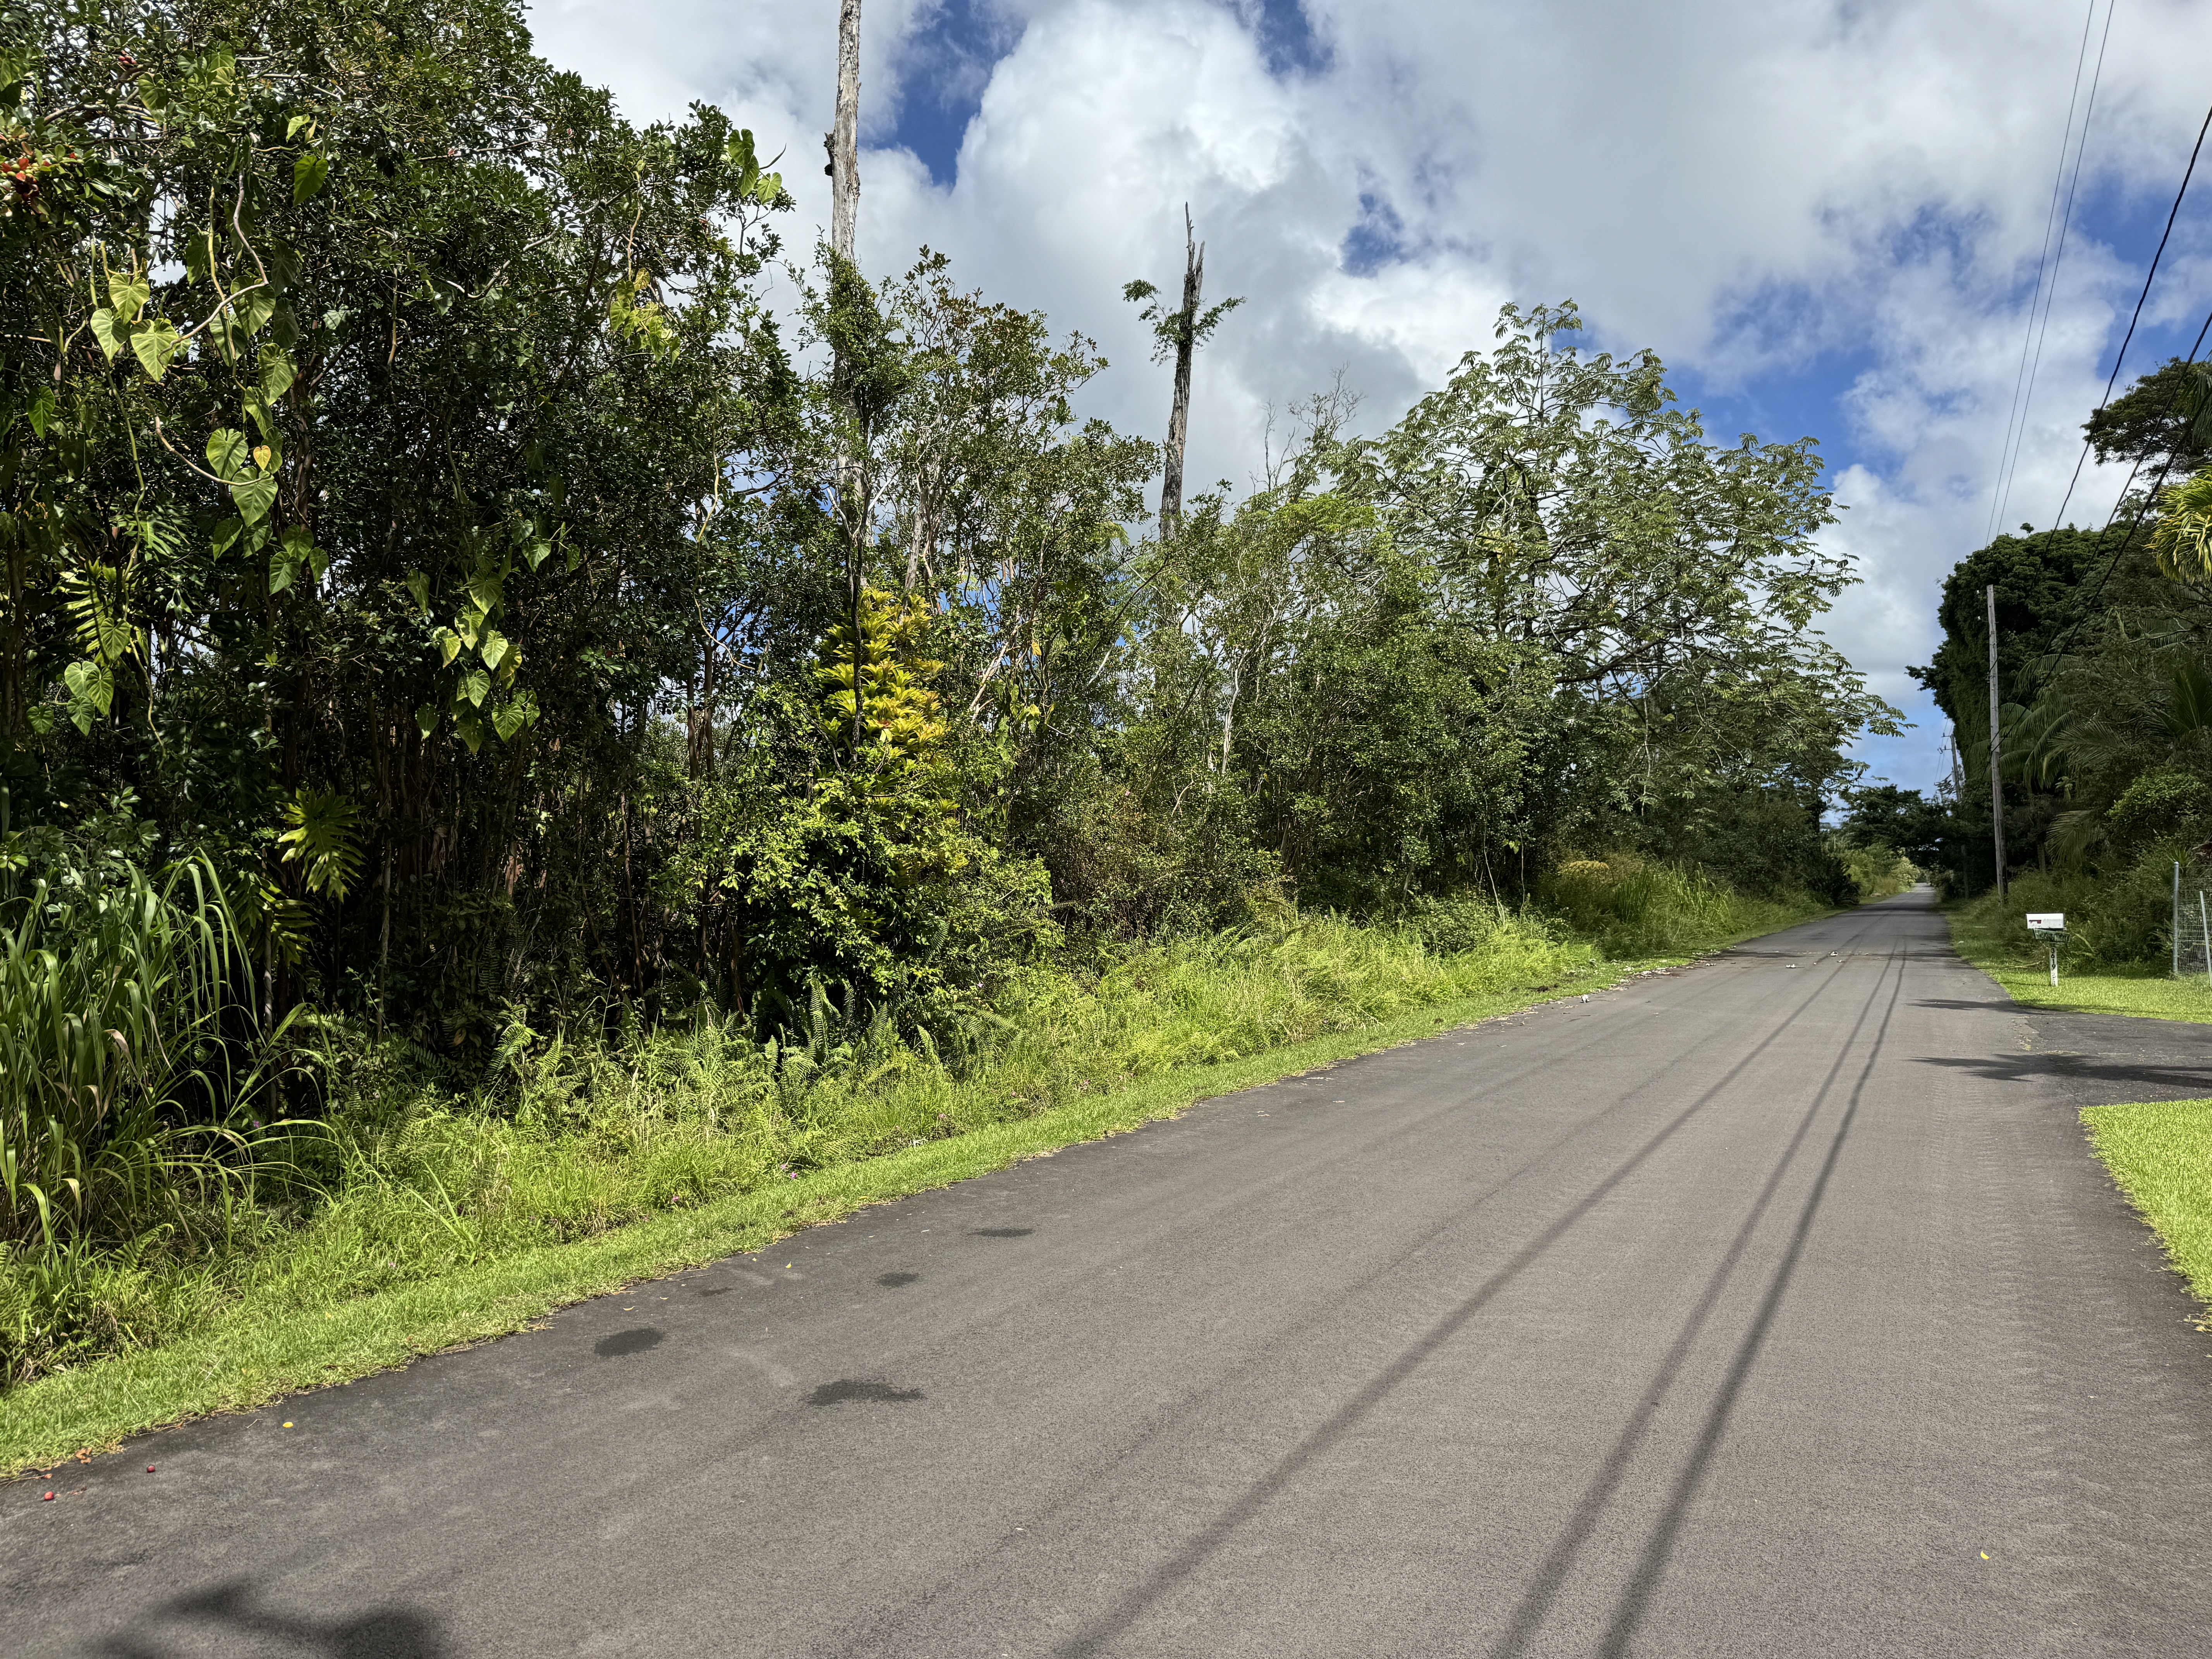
x,y
844,136
1193,278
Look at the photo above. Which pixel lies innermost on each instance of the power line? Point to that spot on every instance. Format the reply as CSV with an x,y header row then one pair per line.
x,y
2023,383
2173,214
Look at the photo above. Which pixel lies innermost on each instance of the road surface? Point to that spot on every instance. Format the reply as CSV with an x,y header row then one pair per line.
x,y
1772,1307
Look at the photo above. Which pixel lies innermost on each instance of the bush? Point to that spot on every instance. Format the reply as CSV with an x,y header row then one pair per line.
x,y
1876,871
1635,908
2118,922
2158,806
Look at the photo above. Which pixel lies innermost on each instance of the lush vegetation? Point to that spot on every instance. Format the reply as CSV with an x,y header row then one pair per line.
x,y
2160,1154
2104,670
503,733
402,1180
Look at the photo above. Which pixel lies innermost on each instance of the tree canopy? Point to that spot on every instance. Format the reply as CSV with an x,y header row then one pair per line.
x,y
411,503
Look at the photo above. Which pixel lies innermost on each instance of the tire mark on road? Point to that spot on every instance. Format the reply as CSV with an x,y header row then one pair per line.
x,y
1651,1564
1551,1578
1162,1578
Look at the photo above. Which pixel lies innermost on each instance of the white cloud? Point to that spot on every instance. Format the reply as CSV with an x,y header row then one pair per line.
x,y
1745,185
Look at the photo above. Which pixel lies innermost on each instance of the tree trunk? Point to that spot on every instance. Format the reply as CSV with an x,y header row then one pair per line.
x,y
1193,278
12,707
844,136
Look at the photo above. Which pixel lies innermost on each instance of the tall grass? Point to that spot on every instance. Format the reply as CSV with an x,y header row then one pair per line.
x,y
1634,907
176,1202
406,1179
130,1061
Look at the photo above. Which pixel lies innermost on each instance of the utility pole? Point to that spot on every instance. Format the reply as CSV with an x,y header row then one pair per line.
x,y
843,142
1996,747
844,139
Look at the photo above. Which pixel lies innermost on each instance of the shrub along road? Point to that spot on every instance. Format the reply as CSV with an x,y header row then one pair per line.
x,y
1776,1305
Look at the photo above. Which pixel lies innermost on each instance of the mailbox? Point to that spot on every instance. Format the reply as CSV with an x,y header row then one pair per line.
x,y
2049,927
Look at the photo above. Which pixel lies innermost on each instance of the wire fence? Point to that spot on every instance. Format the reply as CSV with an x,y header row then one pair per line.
x,y
2192,930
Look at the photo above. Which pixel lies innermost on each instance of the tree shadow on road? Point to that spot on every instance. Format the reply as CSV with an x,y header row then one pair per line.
x,y
227,1620
2119,1079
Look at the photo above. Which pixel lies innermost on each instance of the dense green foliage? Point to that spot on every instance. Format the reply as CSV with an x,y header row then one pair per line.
x,y
2105,652
419,529
2157,420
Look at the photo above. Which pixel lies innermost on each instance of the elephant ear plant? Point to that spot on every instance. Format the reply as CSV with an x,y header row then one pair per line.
x,y
140,1089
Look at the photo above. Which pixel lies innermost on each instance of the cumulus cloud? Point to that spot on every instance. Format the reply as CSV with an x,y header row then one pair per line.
x,y
1832,209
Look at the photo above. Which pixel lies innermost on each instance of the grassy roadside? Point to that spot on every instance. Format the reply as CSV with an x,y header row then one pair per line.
x,y
2160,1154
419,1215
2105,993
2000,946
264,1345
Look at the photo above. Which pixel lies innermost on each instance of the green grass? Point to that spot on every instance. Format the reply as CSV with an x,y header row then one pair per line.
x,y
2106,994
269,1342
1997,943
416,1217
2160,1154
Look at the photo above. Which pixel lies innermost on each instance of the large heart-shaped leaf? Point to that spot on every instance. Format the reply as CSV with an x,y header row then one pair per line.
x,y
128,294
111,640
254,496
309,173
103,330
476,686
227,456
493,648
153,344
92,691
277,372
254,311
484,586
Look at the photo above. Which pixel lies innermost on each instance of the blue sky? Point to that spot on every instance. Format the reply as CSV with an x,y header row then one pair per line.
x,y
1826,214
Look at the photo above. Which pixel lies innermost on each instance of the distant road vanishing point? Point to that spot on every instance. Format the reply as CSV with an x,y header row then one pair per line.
x,y
1774,1307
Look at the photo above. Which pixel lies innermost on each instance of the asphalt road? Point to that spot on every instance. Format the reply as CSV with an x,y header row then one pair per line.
x,y
1773,1307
